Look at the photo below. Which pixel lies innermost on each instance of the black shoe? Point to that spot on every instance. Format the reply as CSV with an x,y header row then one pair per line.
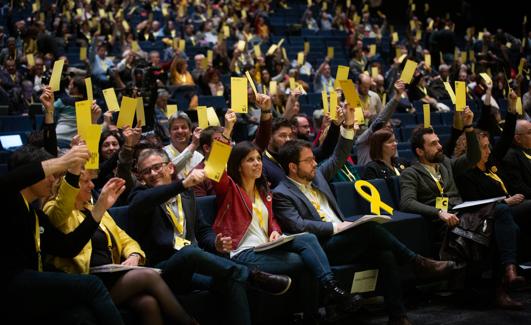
x,y
270,283
333,292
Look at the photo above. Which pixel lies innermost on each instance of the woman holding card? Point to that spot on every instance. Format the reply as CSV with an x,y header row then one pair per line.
x,y
245,220
385,163
141,289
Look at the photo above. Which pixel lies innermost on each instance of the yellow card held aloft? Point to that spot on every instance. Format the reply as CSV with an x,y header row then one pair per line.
x,y
238,94
427,60
31,59
88,85
333,105
272,49
182,45
306,47
212,117
374,72
372,50
55,79
342,72
202,117
127,112
364,281
257,51
240,46
210,56
83,53
83,117
409,71
92,138
330,52
170,110
427,115
519,108
300,58
140,115
351,94
292,84
251,82
394,37
324,97
460,96
217,160
358,115
111,100
450,91
273,87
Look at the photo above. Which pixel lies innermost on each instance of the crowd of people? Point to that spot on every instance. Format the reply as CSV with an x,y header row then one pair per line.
x,y
283,158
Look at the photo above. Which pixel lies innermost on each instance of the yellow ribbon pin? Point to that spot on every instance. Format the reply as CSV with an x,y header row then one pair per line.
x,y
373,197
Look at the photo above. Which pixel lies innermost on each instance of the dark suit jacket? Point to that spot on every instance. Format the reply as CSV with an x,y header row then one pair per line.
x,y
517,168
294,211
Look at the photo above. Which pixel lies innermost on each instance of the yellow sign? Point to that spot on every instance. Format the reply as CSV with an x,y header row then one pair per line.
x,y
427,60
372,50
342,72
333,105
92,138
55,79
31,59
300,58
240,46
251,82
257,51
450,91
292,84
306,47
111,100
170,110
273,87
373,197
519,108
212,117
202,117
83,117
324,98
217,160
374,72
395,37
238,94
88,85
140,116
364,281
127,112
427,115
409,71
351,94
182,45
272,49
358,116
460,96
330,52
83,53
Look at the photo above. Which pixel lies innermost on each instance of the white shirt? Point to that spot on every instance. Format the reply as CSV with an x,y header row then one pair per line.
x,y
184,161
255,235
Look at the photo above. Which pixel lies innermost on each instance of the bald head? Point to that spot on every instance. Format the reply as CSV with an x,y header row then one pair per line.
x,y
522,134
364,84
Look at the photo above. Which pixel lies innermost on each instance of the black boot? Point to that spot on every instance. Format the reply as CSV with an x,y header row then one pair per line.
x,y
335,295
270,283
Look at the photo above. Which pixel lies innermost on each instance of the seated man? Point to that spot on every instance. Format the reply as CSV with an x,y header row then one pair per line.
x,y
164,219
517,161
304,202
429,188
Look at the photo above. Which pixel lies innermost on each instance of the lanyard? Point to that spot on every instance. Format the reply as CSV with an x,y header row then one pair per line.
x,y
177,222
437,182
37,236
495,177
258,211
423,89
270,156
397,172
348,174
314,200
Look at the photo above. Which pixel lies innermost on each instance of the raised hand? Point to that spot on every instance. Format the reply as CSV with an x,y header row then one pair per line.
x,y
400,87
77,156
263,102
131,136
230,120
468,116
195,177
108,196
95,112
47,98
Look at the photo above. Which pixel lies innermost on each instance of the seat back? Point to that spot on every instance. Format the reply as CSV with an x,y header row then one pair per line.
x,y
348,199
207,207
385,193
119,214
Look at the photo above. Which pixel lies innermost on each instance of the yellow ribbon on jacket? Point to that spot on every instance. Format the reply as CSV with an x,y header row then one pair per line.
x,y
373,197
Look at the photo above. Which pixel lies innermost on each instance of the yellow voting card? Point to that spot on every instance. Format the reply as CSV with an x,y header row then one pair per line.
x,y
238,94
212,117
521,66
358,116
300,58
111,100
351,94
217,160
394,37
202,117
519,108
273,87
342,72
226,31
450,91
364,281
409,71
55,79
251,82
83,53
127,112
374,72
88,85
324,97
427,60
257,51
31,59
460,96
306,47
292,84
210,56
182,45
92,138
240,46
272,49
140,115
134,46
330,52
427,115
170,110
372,50
83,117
333,105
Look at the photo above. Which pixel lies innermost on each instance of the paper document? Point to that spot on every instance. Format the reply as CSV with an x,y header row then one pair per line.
x,y
280,241
477,202
109,268
366,218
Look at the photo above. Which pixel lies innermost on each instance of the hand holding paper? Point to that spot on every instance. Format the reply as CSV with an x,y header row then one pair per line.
x,y
409,71
217,160
238,94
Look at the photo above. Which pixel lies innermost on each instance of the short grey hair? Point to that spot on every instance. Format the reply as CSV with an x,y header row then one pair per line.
x,y
146,153
179,116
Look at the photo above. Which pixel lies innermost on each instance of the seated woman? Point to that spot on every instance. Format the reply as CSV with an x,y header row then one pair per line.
x,y
385,163
179,74
485,181
245,220
141,289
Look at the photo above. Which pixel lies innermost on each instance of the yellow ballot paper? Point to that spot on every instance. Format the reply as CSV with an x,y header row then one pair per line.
x,y
372,50
55,79
364,281
92,138
427,115
212,117
374,72
306,47
351,94
342,72
273,87
127,112
460,96
226,31
83,117
210,56
333,105
257,51
88,85
358,116
292,84
251,82
450,91
330,52
238,94
83,53
182,45
170,110
300,58
240,46
140,115
427,60
394,37
111,100
31,59
520,66
519,109
202,117
409,71
217,160
134,46
324,97
272,49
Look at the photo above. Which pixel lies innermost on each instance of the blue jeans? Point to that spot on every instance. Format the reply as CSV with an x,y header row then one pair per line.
x,y
294,258
34,296
191,268
370,240
506,234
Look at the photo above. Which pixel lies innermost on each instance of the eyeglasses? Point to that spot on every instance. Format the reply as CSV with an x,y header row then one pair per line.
x,y
153,168
307,160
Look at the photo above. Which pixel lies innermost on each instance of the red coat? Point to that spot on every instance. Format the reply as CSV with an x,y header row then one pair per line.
x,y
235,210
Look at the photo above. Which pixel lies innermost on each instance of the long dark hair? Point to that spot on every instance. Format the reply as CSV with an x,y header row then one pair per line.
x,y
238,154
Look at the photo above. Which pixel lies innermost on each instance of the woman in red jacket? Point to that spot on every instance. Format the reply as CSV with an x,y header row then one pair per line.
x,y
245,220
